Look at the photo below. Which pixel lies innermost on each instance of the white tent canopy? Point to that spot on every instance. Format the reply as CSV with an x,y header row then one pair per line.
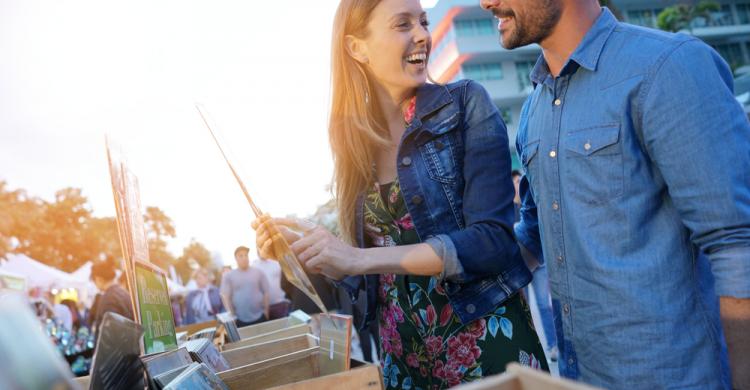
x,y
38,274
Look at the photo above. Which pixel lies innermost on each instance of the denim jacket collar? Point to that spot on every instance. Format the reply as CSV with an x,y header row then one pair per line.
x,y
430,98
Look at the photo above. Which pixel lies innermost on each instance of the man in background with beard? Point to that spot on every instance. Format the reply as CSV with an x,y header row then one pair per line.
x,y
637,191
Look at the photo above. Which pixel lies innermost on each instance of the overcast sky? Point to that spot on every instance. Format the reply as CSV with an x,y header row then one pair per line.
x,y
73,71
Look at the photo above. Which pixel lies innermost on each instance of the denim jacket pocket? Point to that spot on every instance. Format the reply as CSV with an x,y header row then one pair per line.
x,y
594,163
442,153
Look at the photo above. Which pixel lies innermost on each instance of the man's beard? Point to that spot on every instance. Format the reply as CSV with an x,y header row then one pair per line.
x,y
536,25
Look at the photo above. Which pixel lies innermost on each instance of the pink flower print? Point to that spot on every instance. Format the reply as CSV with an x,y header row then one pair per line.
x,y
393,198
398,313
434,345
431,315
463,349
477,328
450,372
405,222
412,360
439,289
415,318
411,109
446,314
439,370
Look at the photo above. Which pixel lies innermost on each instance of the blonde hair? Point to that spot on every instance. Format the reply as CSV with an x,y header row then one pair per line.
x,y
356,127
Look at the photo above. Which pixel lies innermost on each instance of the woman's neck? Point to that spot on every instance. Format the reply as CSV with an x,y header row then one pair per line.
x,y
393,102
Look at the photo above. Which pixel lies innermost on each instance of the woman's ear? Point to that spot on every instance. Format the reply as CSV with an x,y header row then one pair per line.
x,y
357,49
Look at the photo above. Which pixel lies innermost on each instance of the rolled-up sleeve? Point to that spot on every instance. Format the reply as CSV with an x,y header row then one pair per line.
x,y
486,245
452,268
701,146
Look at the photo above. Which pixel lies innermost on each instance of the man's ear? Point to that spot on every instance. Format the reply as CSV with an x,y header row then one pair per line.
x,y
357,49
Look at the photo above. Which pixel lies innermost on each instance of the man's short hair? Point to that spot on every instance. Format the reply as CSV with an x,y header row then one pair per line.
x,y
241,249
103,270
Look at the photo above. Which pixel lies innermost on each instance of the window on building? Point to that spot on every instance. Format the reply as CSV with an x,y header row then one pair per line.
x,y
743,13
475,27
483,72
523,70
722,17
732,54
643,17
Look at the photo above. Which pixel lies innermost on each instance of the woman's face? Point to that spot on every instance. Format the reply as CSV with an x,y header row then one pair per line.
x,y
398,44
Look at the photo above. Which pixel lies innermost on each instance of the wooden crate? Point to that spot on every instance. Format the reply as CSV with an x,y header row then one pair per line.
x,y
297,369
296,330
243,356
517,377
263,327
192,328
83,381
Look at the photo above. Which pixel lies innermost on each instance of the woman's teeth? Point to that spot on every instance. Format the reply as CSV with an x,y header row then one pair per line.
x,y
416,58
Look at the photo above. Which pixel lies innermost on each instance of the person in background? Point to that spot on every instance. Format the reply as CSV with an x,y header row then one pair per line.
x,y
246,291
75,316
279,304
203,303
114,298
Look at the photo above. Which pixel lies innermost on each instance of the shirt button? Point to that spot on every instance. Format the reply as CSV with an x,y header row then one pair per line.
x,y
566,308
587,146
558,102
571,361
406,161
555,206
560,259
470,308
553,154
439,145
416,199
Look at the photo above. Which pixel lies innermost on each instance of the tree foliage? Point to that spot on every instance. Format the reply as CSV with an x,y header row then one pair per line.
x,y
63,233
681,16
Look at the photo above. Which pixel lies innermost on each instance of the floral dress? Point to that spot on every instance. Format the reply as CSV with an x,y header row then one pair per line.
x,y
423,343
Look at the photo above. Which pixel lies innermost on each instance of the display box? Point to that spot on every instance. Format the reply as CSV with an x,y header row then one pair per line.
x,y
518,377
295,330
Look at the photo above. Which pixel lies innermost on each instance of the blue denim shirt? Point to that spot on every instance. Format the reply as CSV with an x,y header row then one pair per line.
x,y
454,170
637,159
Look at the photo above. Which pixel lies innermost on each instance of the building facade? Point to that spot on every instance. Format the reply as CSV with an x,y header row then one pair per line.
x,y
466,46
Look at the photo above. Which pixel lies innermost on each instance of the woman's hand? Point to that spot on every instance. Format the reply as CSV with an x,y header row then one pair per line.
x,y
322,252
268,230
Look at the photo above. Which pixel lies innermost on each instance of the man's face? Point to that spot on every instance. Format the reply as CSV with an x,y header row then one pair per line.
x,y
243,261
523,22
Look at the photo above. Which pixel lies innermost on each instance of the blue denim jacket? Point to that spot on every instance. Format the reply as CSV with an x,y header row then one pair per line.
x,y
454,171
637,160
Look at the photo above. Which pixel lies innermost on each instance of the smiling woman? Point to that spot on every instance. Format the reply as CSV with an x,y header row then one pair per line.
x,y
425,198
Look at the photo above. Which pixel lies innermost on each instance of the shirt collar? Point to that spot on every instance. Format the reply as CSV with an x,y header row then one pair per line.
x,y
588,52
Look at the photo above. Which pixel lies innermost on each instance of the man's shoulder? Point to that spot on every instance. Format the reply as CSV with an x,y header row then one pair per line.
x,y
642,46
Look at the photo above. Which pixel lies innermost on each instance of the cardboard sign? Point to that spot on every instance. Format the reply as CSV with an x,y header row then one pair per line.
x,y
154,308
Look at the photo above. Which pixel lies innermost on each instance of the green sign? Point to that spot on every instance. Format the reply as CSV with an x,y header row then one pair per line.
x,y
155,309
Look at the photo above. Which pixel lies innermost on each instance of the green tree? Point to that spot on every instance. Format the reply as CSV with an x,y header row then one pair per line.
x,y
681,16
159,227
194,255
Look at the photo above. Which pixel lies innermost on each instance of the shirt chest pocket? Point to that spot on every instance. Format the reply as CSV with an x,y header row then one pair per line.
x,y
442,152
593,164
